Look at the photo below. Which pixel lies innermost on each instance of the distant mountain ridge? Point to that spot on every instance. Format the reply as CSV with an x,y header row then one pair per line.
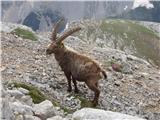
x,y
143,14
41,15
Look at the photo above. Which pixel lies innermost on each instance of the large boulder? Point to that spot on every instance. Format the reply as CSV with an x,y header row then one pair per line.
x,y
97,114
15,93
7,113
21,108
44,109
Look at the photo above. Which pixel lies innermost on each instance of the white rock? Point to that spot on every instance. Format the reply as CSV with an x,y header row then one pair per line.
x,y
24,91
20,108
27,100
55,118
7,114
30,117
15,93
97,114
44,109
19,117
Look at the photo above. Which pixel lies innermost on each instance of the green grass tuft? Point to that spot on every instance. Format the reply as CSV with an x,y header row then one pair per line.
x,y
34,92
85,102
24,34
68,111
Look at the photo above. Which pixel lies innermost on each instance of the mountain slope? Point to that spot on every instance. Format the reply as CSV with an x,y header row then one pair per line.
x,y
134,90
125,35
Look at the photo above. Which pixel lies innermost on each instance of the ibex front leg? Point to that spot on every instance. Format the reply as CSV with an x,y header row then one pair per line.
x,y
68,76
75,85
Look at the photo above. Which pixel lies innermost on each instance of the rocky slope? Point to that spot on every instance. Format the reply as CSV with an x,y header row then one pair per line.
x,y
32,81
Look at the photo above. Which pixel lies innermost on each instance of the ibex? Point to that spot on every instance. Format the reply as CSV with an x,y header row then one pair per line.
x,y
76,67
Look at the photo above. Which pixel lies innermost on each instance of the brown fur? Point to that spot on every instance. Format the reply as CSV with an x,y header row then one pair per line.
x,y
77,67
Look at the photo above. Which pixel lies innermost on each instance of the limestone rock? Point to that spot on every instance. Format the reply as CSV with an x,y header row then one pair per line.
x,y
44,109
24,91
55,118
15,93
96,114
21,108
30,117
6,109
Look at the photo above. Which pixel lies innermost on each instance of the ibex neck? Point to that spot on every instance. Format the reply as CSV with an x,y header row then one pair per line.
x,y
59,54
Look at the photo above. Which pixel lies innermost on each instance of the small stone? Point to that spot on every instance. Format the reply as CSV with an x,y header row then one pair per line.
x,y
127,69
117,83
24,91
27,100
117,67
19,117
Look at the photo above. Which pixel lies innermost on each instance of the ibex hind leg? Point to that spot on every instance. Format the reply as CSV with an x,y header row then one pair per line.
x,y
93,85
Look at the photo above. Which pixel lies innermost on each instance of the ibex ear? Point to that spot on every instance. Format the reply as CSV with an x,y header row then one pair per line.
x,y
54,33
66,34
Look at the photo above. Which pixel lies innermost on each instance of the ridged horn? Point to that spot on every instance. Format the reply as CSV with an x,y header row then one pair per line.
x,y
67,33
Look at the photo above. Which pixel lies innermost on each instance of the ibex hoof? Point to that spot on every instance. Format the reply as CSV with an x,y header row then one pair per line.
x,y
69,90
95,103
76,91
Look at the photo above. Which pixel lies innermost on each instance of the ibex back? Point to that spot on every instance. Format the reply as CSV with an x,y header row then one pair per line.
x,y
76,67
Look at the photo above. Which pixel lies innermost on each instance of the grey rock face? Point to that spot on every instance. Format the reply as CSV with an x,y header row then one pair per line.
x,y
15,93
27,100
24,91
30,117
6,109
21,108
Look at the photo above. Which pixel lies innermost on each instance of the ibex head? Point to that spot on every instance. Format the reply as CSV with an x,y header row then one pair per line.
x,y
57,42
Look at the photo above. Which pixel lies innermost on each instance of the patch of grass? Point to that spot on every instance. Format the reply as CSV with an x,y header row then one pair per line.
x,y
131,33
85,102
68,111
24,34
34,92
127,26
55,103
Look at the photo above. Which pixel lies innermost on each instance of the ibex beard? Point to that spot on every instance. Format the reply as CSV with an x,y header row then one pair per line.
x,y
76,67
